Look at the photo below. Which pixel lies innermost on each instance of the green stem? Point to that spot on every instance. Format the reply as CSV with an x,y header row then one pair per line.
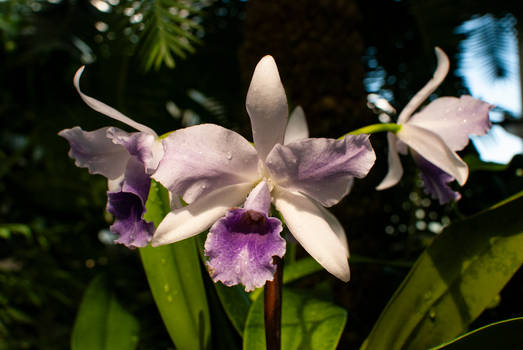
x,y
373,128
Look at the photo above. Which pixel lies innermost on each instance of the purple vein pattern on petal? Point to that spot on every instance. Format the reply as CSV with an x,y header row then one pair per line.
x,y
241,247
203,158
323,169
435,181
144,146
267,106
128,210
95,151
454,119
128,207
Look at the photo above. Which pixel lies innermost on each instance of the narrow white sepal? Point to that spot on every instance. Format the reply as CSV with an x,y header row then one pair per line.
x,y
297,128
395,169
107,110
439,75
267,107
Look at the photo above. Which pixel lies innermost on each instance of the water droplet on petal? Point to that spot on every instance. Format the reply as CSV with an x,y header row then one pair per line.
x,y
228,155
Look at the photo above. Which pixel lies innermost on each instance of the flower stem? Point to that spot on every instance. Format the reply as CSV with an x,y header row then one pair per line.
x,y
272,307
373,128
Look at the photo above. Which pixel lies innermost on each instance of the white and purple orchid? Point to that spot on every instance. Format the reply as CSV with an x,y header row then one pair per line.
x,y
215,169
434,135
126,160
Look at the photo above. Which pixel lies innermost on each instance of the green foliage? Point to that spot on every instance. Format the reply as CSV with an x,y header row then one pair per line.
x,y
307,323
175,279
169,32
102,323
454,280
499,335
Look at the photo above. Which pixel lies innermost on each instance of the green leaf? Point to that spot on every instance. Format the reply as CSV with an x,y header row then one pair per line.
x,y
499,335
236,304
293,272
7,230
174,276
307,323
102,323
453,280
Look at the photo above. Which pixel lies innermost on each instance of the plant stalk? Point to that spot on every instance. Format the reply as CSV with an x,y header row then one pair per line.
x,y
272,307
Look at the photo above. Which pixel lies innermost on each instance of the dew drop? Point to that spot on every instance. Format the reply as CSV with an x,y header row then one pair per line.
x,y
432,314
166,288
169,298
228,155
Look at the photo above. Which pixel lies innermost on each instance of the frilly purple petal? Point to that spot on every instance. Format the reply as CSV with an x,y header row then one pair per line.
x,y
241,247
435,181
128,207
129,224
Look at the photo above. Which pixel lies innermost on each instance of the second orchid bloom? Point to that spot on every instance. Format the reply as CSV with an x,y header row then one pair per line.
x,y
215,170
435,134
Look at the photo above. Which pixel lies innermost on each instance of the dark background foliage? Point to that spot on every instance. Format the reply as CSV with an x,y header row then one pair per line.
x,y
52,214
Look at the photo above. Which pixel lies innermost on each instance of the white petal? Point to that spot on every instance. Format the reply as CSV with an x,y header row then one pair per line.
x,y
336,227
267,106
95,150
297,128
424,93
199,216
454,119
203,158
432,147
311,229
107,110
259,199
395,169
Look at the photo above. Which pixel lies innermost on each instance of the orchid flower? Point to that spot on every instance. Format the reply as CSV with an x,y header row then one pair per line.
x,y
434,135
215,169
126,160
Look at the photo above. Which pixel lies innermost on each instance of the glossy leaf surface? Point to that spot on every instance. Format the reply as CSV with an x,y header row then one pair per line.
x,y
102,323
307,323
454,280
174,276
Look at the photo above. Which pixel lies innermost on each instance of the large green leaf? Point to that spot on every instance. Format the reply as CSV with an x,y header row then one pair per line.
x,y
175,279
307,323
505,334
454,280
102,323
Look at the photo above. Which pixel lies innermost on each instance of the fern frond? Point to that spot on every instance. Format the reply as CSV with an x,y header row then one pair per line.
x,y
169,31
